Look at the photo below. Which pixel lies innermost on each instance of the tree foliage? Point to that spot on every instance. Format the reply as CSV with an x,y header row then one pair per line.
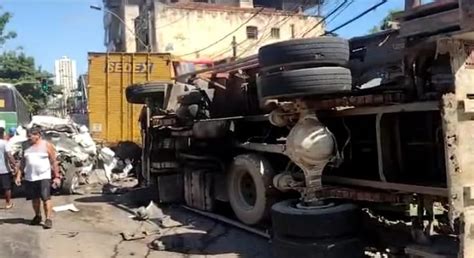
x,y
4,35
385,23
18,68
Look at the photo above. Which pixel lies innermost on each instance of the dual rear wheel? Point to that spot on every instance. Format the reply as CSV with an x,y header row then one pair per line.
x,y
313,67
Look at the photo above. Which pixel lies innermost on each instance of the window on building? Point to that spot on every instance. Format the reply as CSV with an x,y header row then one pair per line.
x,y
252,32
292,28
275,33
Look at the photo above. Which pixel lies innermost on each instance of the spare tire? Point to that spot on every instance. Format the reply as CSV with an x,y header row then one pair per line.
x,y
315,223
328,248
323,51
304,82
70,181
249,183
138,93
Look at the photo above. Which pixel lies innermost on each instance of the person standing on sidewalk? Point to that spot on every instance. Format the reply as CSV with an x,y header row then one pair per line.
x,y
6,163
38,161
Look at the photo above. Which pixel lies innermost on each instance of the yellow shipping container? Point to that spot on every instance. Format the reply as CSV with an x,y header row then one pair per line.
x,y
111,117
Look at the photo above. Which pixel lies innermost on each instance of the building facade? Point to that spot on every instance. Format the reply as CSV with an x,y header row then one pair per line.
x,y
214,30
65,75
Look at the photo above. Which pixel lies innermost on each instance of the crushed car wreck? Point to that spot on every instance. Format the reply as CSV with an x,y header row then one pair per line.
x,y
77,153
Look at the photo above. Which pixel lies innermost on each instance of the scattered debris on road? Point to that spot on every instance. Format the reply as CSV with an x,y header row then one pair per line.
x,y
157,245
66,207
71,234
132,236
229,222
151,212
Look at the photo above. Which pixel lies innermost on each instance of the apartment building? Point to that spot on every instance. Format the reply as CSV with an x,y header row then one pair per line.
x,y
213,29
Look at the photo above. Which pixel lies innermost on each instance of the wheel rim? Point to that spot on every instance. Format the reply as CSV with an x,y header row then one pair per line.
x,y
247,190
322,204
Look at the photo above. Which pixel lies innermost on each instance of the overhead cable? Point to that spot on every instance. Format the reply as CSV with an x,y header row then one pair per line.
x,y
356,18
227,35
324,19
340,12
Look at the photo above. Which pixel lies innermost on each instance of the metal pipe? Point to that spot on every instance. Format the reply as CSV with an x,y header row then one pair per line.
x,y
435,191
229,221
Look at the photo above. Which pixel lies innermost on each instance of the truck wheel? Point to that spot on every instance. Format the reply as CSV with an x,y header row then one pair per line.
x,y
137,93
323,51
304,82
329,248
70,182
328,221
249,180
198,189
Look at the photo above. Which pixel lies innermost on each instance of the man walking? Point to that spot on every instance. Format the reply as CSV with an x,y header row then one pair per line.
x,y
39,159
6,163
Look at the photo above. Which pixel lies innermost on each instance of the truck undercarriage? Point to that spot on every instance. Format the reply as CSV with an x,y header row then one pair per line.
x,y
372,136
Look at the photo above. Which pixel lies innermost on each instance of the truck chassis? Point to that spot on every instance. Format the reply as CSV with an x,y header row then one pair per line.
x,y
400,151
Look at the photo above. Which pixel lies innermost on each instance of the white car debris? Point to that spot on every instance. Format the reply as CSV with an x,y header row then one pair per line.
x,y
78,154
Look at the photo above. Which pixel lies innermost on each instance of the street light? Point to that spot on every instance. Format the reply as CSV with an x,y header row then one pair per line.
x,y
97,8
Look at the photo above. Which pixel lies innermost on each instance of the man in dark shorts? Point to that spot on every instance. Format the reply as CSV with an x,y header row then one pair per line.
x,y
38,161
6,163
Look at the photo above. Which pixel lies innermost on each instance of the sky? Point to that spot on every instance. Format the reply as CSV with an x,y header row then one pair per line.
x,y
50,29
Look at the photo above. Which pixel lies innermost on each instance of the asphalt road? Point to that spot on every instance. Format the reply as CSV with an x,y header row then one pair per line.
x,y
94,232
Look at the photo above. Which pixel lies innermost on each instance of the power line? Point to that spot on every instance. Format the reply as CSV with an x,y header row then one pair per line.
x,y
218,53
324,19
340,12
227,35
263,38
278,25
285,20
357,17
173,22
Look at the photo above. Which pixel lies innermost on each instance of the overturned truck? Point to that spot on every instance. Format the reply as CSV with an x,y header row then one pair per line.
x,y
347,147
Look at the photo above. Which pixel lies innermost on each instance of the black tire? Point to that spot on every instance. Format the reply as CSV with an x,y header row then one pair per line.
x,y
323,51
328,248
70,181
249,169
305,82
138,93
198,189
325,222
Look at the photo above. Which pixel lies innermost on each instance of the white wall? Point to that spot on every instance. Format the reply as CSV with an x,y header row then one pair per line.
x,y
181,31
130,12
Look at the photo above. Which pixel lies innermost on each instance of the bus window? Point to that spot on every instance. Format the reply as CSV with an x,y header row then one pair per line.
x,y
14,109
6,100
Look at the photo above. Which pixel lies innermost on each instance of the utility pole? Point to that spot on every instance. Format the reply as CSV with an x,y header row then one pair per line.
x,y
149,30
234,47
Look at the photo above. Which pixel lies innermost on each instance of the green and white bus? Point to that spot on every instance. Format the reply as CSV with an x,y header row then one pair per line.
x,y
14,110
